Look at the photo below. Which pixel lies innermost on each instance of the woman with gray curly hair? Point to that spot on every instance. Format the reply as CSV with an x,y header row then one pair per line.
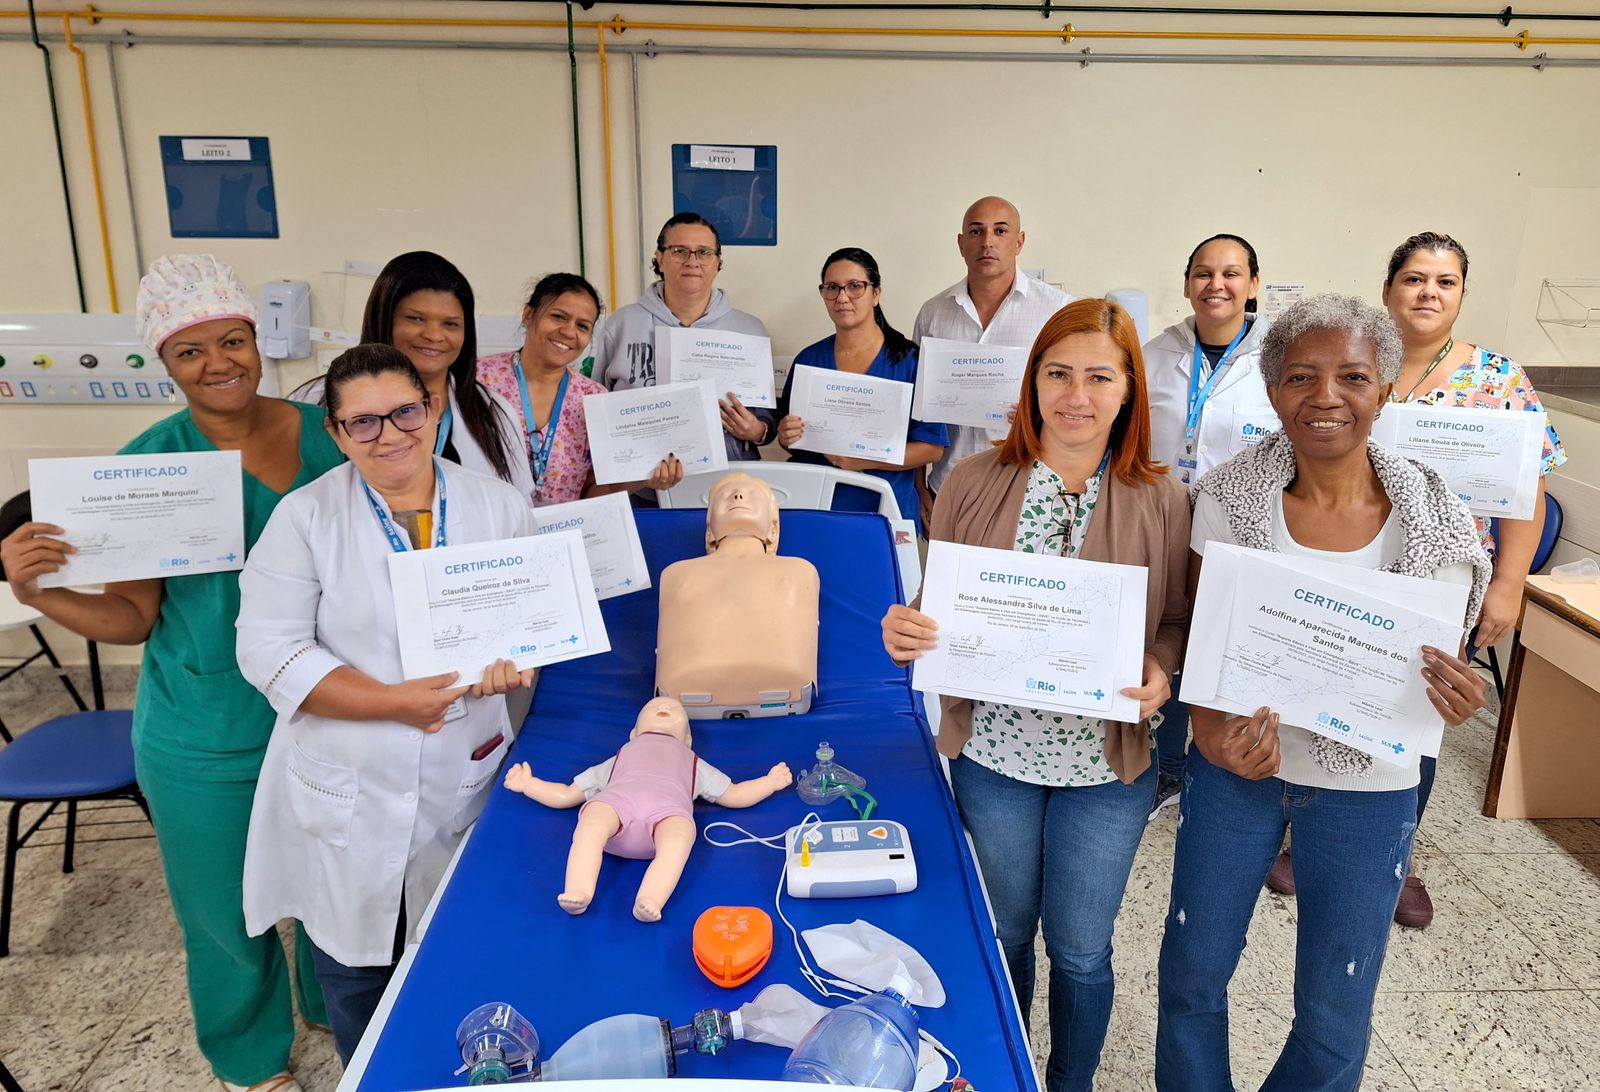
x,y
1319,488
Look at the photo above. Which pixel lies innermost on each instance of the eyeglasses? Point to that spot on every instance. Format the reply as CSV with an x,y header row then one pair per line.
x,y
366,427
852,289
683,253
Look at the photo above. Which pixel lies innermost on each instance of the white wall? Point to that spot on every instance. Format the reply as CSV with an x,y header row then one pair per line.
x,y
1118,169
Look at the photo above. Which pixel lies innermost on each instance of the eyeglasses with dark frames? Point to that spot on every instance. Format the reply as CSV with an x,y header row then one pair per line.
x,y
364,428
683,253
852,289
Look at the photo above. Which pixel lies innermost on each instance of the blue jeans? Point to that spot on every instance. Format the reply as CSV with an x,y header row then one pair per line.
x,y
1063,854
352,993
1172,738
1350,854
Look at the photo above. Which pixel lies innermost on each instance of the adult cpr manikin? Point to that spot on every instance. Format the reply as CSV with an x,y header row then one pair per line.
x,y
738,629
640,804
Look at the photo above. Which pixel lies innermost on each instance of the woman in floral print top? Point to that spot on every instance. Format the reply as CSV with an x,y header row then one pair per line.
x,y
541,381
1426,280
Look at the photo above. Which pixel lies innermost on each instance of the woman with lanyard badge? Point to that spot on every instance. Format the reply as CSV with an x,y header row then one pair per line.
x,y
1423,289
370,779
422,305
199,729
864,343
1056,803
1207,403
542,379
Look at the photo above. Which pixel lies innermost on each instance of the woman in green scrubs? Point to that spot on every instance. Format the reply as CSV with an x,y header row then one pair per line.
x,y
199,729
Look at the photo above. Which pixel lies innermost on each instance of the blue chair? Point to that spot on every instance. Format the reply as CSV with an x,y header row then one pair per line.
x,y
66,760
1553,517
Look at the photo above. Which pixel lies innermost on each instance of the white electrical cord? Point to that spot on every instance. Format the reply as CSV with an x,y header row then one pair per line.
x,y
814,979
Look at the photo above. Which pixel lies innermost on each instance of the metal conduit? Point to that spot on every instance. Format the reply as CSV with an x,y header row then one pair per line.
x,y
127,162
648,49
638,170
1065,34
1046,8
577,141
61,151
127,166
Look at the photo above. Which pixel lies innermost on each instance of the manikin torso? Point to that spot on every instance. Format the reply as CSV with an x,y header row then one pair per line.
x,y
738,628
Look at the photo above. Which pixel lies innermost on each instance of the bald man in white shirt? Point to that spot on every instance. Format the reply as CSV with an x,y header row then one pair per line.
x,y
995,304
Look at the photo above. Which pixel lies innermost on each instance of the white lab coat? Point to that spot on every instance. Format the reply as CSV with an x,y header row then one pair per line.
x,y
472,455
348,814
1236,415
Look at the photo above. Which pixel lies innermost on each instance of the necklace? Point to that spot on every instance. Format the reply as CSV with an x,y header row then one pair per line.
x,y
1450,343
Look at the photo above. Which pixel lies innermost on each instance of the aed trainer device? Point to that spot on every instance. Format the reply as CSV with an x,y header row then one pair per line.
x,y
850,859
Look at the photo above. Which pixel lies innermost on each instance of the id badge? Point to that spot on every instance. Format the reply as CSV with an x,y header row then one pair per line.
x,y
1187,464
456,710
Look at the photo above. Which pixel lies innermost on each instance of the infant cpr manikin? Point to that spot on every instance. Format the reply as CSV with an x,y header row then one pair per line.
x,y
640,804
738,629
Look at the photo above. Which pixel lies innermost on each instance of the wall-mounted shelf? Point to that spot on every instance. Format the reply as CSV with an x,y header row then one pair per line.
x,y
1574,303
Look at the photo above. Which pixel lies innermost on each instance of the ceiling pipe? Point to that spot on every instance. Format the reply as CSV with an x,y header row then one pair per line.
x,y
122,144
577,141
1083,58
1047,8
94,161
1065,34
61,152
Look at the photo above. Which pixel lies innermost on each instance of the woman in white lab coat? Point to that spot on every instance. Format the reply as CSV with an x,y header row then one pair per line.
x,y
369,779
1207,404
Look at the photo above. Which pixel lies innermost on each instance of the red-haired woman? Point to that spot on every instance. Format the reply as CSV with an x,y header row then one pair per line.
x,y
1055,803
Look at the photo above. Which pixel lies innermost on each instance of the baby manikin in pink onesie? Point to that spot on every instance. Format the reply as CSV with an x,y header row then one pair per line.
x,y
640,804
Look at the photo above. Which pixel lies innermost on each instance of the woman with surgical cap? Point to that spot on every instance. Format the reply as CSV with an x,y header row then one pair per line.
x,y
199,729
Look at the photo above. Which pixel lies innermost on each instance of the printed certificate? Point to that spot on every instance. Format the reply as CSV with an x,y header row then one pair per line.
x,y
1035,630
631,431
1331,648
133,517
741,363
959,383
859,416
528,600
610,540
1489,457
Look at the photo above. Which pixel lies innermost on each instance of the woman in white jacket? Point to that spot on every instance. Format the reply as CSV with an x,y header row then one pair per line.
x,y
369,779
1207,404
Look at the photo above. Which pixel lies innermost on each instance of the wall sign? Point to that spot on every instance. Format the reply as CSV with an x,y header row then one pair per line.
x,y
735,186
219,187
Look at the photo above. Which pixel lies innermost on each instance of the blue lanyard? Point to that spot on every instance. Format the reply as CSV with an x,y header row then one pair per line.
x,y
1199,394
444,429
396,542
541,457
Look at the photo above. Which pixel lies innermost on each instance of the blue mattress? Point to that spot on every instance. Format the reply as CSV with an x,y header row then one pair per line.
x,y
498,935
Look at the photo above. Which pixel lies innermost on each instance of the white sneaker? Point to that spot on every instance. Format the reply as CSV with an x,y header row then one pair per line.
x,y
279,1082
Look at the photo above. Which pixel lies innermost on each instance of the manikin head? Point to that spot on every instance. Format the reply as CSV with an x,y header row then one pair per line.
x,y
741,505
664,715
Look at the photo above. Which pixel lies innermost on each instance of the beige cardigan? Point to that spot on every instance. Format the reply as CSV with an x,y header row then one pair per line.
x,y
1148,525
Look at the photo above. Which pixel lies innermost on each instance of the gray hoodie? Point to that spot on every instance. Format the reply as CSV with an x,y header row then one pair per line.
x,y
625,352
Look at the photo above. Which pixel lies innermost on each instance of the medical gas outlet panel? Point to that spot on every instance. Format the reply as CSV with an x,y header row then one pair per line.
x,y
79,360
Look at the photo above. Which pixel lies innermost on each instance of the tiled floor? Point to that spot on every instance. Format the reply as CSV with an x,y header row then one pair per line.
x,y
1503,992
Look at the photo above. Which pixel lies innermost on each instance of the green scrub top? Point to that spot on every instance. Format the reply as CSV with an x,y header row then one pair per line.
x,y
193,706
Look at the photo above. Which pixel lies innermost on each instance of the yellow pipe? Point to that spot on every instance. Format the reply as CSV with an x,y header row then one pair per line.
x,y
94,161
605,121
618,25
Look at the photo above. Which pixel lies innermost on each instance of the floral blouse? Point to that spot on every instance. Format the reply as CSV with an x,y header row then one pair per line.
x,y
1040,746
568,470
1491,381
